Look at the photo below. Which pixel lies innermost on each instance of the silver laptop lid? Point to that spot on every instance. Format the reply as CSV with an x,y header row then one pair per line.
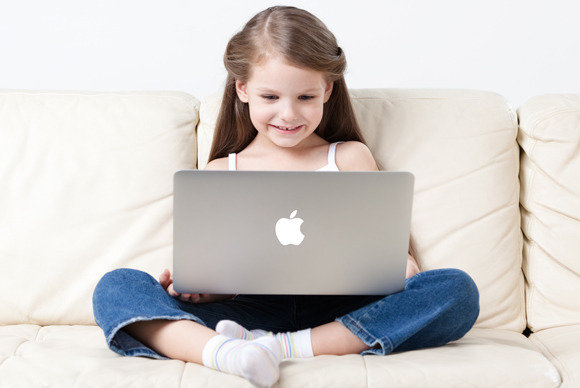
x,y
291,232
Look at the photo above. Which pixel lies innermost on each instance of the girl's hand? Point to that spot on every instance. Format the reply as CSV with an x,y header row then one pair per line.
x,y
167,283
412,267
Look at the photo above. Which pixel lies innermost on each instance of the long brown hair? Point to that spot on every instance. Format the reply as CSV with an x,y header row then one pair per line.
x,y
302,40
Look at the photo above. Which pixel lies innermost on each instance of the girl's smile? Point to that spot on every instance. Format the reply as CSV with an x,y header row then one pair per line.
x,y
287,130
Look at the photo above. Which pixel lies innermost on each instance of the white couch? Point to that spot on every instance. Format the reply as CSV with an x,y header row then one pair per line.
x,y
86,183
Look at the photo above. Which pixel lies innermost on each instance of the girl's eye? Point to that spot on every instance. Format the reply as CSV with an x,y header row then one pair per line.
x,y
272,98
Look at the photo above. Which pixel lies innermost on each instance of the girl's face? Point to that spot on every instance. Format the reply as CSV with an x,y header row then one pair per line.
x,y
281,95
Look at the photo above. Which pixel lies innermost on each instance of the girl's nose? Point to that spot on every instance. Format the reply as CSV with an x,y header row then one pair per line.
x,y
288,113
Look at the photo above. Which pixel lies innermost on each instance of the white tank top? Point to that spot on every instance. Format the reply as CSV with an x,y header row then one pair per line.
x,y
331,166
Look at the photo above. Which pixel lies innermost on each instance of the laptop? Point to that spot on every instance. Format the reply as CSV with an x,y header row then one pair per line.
x,y
291,232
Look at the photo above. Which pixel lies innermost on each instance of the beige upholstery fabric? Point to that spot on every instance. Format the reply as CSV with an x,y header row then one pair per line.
x,y
561,345
208,112
87,183
87,187
550,207
77,356
461,146
484,357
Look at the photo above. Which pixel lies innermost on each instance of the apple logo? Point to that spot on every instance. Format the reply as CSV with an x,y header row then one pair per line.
x,y
288,230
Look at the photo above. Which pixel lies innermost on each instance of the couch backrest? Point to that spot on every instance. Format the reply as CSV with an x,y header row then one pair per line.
x,y
550,206
87,182
461,146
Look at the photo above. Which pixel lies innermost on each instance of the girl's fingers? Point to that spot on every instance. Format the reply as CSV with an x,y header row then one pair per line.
x,y
167,282
171,291
164,278
193,298
189,297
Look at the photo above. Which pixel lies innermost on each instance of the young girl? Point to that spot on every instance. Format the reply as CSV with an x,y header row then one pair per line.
x,y
285,107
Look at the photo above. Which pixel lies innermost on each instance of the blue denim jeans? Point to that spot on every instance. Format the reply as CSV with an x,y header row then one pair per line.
x,y
435,307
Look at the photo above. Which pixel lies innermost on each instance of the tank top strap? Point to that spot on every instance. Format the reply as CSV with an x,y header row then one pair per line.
x,y
232,161
332,152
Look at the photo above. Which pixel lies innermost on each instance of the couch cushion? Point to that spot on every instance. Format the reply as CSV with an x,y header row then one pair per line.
x,y
461,147
550,206
561,345
34,356
87,183
484,357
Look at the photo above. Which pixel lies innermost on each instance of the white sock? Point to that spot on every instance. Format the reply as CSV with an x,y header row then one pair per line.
x,y
257,360
235,330
294,344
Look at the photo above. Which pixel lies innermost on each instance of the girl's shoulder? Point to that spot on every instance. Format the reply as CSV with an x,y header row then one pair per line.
x,y
354,156
218,164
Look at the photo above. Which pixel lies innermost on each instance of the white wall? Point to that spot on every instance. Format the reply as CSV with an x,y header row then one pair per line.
x,y
516,48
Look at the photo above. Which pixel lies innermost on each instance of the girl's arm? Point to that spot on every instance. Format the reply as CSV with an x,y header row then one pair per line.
x,y
412,267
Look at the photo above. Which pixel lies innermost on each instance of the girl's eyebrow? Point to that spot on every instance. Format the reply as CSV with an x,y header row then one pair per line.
x,y
274,91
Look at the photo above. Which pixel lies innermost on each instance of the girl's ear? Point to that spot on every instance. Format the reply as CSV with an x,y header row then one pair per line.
x,y
241,91
328,91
